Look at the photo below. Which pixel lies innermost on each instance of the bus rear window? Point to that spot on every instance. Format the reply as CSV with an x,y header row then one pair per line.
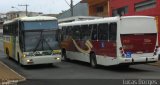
x,y
139,43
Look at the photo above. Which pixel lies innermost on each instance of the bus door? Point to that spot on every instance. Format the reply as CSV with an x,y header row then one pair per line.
x,y
15,33
14,46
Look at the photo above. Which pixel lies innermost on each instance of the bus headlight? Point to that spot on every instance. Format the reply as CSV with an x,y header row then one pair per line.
x,y
24,55
29,61
57,58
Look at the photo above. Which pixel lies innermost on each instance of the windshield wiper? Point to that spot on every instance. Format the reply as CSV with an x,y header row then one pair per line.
x,y
41,41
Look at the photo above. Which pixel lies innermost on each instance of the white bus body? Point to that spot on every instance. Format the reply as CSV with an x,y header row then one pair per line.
x,y
135,40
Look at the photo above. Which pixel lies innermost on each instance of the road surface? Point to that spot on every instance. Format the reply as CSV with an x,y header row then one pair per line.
x,y
80,70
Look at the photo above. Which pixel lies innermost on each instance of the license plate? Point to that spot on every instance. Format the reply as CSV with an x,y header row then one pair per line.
x,y
128,54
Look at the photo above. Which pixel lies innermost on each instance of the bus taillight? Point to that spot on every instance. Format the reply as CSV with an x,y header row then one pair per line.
x,y
122,51
155,50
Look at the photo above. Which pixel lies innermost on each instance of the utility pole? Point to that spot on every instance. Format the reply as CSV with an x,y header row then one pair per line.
x,y
26,5
71,6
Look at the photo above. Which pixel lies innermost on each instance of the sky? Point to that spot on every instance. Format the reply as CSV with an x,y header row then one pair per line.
x,y
45,6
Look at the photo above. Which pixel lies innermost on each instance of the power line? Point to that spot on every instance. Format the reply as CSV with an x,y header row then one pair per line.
x,y
67,3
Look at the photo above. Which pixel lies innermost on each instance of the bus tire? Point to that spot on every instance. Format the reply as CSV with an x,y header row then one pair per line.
x,y
93,60
18,60
7,53
63,55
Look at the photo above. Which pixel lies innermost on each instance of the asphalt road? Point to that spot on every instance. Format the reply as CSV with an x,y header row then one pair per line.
x,y
80,70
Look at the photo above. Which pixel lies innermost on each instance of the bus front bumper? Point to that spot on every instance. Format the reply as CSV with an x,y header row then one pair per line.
x,y
34,60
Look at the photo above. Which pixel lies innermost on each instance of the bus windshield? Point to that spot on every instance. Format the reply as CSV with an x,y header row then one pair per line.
x,y
40,25
39,41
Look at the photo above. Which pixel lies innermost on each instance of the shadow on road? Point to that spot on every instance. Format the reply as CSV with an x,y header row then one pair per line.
x,y
41,66
52,66
122,69
111,68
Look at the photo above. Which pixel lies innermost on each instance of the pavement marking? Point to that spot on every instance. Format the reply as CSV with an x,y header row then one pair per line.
x,y
23,78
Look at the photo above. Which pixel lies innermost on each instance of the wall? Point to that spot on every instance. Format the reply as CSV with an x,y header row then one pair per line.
x,y
80,9
114,4
94,4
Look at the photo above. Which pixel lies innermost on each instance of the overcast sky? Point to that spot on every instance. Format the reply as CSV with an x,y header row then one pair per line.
x,y
45,6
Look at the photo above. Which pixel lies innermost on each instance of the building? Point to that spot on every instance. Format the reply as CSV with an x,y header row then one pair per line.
x,y
105,8
3,17
136,7
80,9
98,8
14,14
52,15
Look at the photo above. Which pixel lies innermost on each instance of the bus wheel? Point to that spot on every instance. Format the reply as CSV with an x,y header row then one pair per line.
x,y
18,58
7,53
93,60
64,56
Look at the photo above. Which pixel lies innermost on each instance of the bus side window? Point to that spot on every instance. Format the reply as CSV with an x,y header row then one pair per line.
x,y
16,29
76,32
85,30
63,35
94,32
112,31
90,34
10,29
5,29
103,32
68,32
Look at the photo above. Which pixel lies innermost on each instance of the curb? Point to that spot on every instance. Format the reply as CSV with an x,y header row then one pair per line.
x,y
23,78
155,64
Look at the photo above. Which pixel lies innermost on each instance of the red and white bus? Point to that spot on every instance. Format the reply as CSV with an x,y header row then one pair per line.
x,y
111,41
